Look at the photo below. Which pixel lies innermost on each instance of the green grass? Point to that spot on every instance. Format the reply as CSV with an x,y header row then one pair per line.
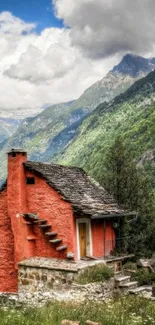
x,y
125,311
95,273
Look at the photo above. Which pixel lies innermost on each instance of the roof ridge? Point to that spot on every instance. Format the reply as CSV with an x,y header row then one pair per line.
x,y
55,164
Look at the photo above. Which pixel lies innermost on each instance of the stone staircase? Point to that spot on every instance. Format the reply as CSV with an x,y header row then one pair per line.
x,y
52,236
124,283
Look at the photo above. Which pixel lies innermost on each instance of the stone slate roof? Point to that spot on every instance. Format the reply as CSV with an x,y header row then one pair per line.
x,y
86,196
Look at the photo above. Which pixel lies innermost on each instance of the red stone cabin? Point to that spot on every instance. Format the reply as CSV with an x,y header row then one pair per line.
x,y
53,211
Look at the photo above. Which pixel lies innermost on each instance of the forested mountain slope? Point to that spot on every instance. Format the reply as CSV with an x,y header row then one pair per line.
x,y
130,115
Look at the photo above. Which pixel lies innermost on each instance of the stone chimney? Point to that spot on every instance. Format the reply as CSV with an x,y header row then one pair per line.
x,y
16,180
16,199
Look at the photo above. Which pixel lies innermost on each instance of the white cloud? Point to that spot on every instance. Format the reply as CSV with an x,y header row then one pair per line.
x,y
39,69
105,27
59,64
13,25
39,64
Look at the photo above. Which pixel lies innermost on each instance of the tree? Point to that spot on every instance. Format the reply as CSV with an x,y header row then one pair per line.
x,y
131,187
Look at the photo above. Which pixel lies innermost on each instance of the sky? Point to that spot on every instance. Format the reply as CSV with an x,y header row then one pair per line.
x,y
52,50
39,11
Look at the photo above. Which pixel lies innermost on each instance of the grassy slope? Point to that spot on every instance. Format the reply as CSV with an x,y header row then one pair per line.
x,y
124,311
131,115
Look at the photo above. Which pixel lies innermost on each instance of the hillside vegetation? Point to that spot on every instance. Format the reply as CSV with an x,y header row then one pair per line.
x,y
130,116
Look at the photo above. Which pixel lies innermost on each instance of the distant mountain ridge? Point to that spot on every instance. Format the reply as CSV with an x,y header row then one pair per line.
x,y
134,65
48,134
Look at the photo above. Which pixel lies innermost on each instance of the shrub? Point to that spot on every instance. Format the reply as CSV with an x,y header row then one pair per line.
x,y
130,266
95,273
143,277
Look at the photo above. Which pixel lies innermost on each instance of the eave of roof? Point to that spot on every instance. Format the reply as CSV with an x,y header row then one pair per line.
x,y
118,215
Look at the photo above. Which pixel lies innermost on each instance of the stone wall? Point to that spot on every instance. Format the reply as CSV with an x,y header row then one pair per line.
x,y
33,279
41,284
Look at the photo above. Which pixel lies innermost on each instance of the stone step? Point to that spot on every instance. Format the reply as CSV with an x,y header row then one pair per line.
x,y
50,234
111,267
61,248
40,221
30,216
137,290
118,274
70,256
44,226
122,279
141,289
55,241
148,295
128,285
29,238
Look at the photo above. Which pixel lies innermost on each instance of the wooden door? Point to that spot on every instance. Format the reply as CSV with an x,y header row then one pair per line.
x,y
82,239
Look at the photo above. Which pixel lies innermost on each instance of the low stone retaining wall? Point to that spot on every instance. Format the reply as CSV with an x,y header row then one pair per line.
x,y
57,282
76,292
33,279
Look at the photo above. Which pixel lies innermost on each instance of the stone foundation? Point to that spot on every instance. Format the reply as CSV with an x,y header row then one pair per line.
x,y
41,280
32,279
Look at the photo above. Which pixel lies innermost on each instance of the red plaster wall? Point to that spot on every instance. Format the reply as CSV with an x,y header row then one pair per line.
x,y
103,238
48,204
109,238
98,238
8,274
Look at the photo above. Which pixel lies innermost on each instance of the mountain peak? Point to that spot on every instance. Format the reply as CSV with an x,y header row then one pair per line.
x,y
134,65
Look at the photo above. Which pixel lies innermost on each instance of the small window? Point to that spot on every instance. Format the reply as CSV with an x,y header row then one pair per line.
x,y
23,154
30,180
13,154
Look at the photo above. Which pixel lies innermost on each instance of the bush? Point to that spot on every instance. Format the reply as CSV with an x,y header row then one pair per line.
x,y
143,277
130,266
96,273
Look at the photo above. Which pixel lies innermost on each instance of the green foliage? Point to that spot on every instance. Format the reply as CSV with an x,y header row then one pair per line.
x,y
130,116
95,273
124,311
143,277
130,266
131,187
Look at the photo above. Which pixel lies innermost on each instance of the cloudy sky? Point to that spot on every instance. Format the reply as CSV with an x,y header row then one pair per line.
x,y
51,51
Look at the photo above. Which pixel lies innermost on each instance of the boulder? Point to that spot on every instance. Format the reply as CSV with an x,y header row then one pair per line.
x,y
143,263
88,322
69,322
152,261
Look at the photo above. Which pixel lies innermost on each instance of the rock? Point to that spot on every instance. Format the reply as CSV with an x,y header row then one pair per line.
x,y
69,322
88,322
152,261
143,263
